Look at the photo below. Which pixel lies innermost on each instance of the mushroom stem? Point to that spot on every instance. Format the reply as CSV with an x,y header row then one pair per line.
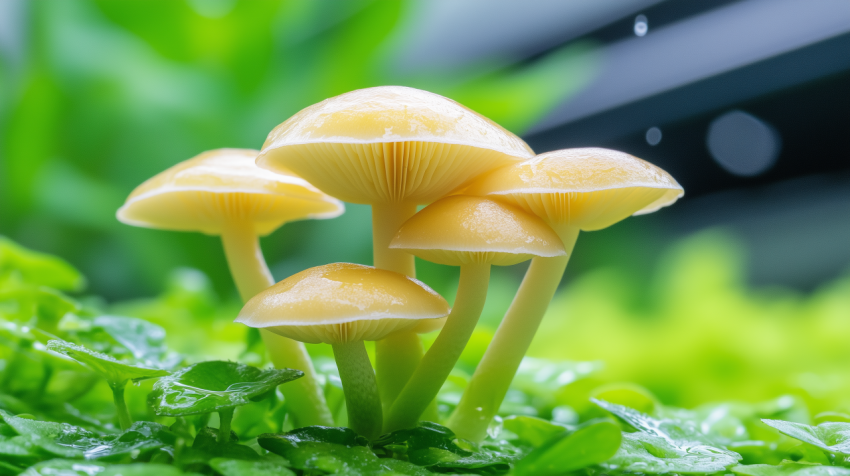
x,y
441,358
225,418
251,274
396,356
120,405
361,390
487,388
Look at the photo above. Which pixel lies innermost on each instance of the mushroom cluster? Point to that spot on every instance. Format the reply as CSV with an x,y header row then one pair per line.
x,y
490,201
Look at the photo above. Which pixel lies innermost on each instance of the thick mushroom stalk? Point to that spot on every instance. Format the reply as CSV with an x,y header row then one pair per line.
x,y
391,147
252,275
343,305
572,190
473,233
223,192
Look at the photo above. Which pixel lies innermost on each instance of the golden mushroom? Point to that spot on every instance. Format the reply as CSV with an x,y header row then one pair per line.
x,y
344,304
393,148
473,233
571,190
223,192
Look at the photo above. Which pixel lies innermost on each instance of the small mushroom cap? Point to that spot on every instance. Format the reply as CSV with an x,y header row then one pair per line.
x,y
589,188
461,230
390,144
202,193
343,302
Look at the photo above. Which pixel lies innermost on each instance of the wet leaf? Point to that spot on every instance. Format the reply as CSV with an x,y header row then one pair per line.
x,y
665,446
64,467
833,437
237,467
591,443
426,435
789,469
332,458
68,441
213,386
207,441
115,372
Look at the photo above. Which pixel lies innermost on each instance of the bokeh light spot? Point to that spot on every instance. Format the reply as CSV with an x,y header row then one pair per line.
x,y
743,144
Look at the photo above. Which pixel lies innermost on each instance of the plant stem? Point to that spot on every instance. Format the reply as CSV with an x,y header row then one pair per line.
x,y
487,388
441,358
396,356
225,418
251,274
120,405
360,388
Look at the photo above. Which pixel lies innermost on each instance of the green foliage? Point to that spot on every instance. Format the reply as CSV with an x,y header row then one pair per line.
x,y
116,373
213,386
592,443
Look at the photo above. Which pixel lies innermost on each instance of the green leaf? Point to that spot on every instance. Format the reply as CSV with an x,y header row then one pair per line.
x,y
237,467
646,453
789,469
115,372
532,430
38,268
323,434
592,443
140,340
207,441
426,435
833,437
64,467
487,458
68,441
665,446
213,386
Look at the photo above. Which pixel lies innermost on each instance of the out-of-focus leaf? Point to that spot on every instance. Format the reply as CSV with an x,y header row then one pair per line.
x,y
237,467
215,385
115,372
833,437
68,441
590,444
38,268
684,433
533,431
789,469
627,395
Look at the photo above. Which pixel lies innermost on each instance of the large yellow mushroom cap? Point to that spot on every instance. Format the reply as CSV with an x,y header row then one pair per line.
x,y
588,188
343,302
461,230
390,144
202,193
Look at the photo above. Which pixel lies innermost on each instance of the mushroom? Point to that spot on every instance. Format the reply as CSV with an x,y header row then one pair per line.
x,y
473,233
393,148
344,304
572,189
223,192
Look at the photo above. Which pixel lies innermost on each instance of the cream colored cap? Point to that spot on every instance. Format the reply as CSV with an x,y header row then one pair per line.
x,y
390,144
343,302
461,230
586,188
202,193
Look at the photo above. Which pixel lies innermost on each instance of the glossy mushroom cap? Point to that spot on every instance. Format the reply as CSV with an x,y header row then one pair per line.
x,y
461,230
203,192
586,188
390,144
343,302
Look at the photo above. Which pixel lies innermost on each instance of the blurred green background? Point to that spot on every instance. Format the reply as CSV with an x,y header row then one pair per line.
x,y
97,96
